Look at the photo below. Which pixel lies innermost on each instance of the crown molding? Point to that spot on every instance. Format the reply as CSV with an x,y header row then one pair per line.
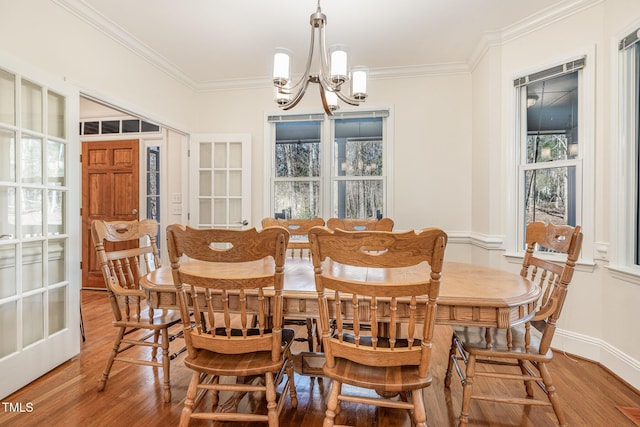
x,y
528,25
118,34
488,40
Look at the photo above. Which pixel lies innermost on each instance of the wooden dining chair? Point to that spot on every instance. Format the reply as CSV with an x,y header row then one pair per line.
x,y
382,224
122,270
356,286
299,240
523,351
298,231
221,342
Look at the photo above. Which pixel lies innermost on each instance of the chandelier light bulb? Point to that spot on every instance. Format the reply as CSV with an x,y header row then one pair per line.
x,y
338,65
359,83
332,100
281,73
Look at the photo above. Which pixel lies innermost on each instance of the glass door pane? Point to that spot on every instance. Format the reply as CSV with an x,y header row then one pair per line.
x,y
221,175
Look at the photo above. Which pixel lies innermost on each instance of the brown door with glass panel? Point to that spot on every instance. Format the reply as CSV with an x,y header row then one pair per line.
x,y
110,191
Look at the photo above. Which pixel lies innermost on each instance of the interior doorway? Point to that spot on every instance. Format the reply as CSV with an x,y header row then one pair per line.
x,y
120,171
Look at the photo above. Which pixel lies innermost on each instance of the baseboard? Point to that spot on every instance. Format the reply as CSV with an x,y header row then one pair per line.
x,y
620,364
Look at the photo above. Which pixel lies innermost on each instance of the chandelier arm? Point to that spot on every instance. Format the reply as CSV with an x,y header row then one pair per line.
x,y
298,96
347,99
324,60
304,78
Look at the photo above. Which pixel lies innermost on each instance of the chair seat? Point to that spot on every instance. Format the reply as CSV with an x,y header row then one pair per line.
x,y
160,320
474,341
244,364
380,378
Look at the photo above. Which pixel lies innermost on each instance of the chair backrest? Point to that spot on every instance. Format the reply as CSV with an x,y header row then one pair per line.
x,y
224,273
553,278
398,284
123,268
296,227
382,224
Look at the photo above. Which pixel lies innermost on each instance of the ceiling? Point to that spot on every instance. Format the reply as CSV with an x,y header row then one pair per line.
x,y
211,44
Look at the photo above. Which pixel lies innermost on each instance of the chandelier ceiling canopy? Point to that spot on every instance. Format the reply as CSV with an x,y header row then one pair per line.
x,y
332,77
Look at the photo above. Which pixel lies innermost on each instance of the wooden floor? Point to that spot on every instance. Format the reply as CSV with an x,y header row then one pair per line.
x,y
68,395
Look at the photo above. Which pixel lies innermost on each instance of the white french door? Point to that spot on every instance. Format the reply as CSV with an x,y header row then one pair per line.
x,y
220,181
39,256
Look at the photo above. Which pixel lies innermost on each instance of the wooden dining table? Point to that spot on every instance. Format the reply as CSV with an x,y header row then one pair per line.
x,y
471,295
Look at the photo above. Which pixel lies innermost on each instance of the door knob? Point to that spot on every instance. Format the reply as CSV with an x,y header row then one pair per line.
x,y
134,211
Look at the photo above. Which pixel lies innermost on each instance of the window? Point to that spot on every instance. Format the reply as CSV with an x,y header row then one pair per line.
x,y
153,188
297,170
550,146
358,168
627,199
333,167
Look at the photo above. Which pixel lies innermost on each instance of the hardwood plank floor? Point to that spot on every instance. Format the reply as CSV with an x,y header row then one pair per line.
x,y
68,396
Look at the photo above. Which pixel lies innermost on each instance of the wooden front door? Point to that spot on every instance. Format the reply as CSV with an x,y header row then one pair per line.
x,y
110,191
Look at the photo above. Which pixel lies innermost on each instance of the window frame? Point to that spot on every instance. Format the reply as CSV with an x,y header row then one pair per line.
x,y
585,176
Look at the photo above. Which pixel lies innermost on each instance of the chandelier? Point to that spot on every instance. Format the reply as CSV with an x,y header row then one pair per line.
x,y
332,76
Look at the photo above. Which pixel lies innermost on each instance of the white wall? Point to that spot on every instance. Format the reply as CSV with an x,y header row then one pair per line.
x,y
431,132
451,136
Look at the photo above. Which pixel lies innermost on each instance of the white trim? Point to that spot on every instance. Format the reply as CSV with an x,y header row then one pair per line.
x,y
487,242
597,350
629,274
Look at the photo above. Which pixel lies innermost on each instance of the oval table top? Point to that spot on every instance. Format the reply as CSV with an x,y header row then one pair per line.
x,y
469,294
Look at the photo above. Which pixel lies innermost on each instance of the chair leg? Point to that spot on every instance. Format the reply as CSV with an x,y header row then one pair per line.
x,y
332,404
192,391
419,413
156,339
525,373
215,394
551,393
293,395
467,390
112,357
166,365
310,333
272,405
452,354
